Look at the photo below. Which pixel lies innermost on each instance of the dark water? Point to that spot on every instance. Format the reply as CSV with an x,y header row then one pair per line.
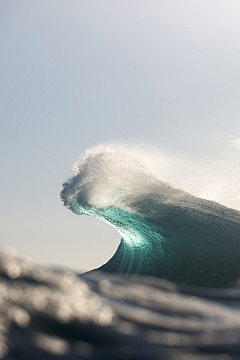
x,y
55,314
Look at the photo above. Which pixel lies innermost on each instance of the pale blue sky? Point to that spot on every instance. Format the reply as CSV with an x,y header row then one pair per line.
x,y
77,73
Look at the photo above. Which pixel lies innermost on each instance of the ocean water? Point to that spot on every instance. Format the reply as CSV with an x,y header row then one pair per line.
x,y
48,314
166,232
171,291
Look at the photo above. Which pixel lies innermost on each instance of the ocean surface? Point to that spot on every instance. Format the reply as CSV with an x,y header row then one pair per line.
x,y
171,291
48,314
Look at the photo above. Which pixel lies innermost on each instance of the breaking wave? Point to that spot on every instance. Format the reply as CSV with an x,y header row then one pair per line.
x,y
166,232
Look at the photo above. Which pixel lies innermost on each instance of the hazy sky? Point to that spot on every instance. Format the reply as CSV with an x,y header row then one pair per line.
x,y
77,73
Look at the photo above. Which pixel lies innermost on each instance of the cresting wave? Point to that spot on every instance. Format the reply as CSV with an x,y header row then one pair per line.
x,y
165,231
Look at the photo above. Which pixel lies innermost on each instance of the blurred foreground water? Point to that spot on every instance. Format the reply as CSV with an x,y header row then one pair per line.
x,y
55,314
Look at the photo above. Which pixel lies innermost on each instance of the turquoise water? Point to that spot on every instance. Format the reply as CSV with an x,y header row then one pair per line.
x,y
166,232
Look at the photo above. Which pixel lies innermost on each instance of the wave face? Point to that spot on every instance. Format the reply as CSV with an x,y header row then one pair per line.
x,y
165,231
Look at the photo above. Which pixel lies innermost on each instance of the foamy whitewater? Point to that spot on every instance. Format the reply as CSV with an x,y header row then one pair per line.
x,y
166,232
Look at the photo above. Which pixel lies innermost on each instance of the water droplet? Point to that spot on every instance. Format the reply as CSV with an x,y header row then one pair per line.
x,y
51,344
84,349
126,328
19,316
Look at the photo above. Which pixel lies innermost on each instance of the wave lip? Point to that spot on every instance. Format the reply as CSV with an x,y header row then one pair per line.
x,y
165,231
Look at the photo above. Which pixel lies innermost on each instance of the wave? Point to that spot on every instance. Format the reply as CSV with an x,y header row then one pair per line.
x,y
166,232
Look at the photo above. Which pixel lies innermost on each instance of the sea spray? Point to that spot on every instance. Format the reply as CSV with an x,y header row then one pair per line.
x,y
165,231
